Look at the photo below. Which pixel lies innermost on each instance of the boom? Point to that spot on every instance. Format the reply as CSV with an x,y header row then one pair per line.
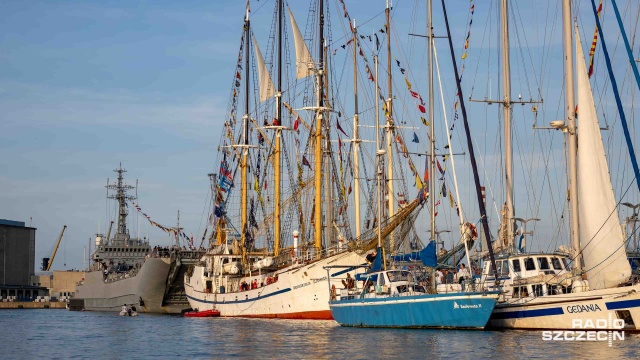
x,y
55,249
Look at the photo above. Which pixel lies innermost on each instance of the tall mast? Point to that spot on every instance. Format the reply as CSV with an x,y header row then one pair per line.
x,y
432,157
571,128
356,140
379,154
389,126
328,189
121,197
245,139
506,110
277,155
318,135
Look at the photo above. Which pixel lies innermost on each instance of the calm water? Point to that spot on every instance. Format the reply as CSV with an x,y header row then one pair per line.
x,y
61,334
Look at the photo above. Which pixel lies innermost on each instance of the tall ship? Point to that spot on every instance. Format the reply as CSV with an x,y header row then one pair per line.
x,y
285,199
127,270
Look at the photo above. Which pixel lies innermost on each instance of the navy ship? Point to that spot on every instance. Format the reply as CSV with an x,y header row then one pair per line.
x,y
127,270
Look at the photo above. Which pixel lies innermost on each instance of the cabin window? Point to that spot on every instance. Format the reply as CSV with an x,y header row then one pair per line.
x,y
505,268
529,264
538,290
567,264
381,280
522,290
556,263
499,267
516,265
543,263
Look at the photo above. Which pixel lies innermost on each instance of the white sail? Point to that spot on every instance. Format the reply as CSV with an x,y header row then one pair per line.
x,y
267,90
304,61
601,237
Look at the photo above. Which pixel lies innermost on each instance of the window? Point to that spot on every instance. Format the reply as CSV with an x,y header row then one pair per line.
x,y
523,291
499,267
529,264
538,290
516,265
556,263
567,264
543,263
505,268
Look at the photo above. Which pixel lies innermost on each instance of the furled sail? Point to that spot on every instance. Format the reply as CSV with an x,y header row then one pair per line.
x,y
304,61
601,237
267,90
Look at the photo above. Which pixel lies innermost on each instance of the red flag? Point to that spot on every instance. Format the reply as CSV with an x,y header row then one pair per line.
x,y
340,128
238,75
296,124
422,108
305,162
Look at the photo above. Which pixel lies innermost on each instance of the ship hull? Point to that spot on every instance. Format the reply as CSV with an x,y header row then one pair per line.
x,y
564,311
146,290
301,292
441,311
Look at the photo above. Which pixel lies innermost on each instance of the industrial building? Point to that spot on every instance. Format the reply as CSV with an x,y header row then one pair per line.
x,y
17,260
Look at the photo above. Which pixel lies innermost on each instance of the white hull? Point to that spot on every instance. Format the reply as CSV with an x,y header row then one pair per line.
x,y
149,284
301,292
560,311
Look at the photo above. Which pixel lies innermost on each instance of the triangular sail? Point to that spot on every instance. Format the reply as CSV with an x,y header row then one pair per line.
x,y
267,90
304,61
601,237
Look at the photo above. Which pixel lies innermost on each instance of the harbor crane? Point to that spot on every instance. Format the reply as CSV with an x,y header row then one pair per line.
x,y
47,262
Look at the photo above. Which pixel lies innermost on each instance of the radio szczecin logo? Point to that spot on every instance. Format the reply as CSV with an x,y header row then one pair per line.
x,y
589,330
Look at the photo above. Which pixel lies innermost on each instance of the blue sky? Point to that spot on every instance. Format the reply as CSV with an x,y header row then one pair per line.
x,y
86,85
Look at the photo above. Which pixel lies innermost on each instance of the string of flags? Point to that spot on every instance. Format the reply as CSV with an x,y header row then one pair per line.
x,y
592,51
167,229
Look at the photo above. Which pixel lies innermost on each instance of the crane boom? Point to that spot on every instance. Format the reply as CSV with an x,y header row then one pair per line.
x,y
55,249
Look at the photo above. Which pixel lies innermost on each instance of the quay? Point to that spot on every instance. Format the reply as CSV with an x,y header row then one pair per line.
x,y
33,305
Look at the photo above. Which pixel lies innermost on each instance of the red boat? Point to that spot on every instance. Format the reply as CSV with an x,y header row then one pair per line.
x,y
205,313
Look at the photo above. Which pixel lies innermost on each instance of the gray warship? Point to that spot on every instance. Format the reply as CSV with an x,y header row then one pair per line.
x,y
127,270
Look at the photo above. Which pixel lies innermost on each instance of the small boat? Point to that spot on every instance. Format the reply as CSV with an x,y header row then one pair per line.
x,y
126,313
204,313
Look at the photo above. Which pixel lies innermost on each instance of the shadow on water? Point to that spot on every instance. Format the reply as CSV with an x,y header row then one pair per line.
x,y
63,334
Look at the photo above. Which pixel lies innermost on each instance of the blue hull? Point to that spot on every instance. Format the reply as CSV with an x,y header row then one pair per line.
x,y
445,311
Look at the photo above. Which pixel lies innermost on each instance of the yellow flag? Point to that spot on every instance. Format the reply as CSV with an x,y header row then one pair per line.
x,y
451,203
408,83
418,182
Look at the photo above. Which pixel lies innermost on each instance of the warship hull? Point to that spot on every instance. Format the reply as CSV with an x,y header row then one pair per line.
x,y
146,290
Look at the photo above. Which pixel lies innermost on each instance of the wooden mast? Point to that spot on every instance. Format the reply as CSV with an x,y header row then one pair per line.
x,y
245,142
389,128
318,136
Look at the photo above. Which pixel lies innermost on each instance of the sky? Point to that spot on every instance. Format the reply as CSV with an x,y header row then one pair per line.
x,y
88,85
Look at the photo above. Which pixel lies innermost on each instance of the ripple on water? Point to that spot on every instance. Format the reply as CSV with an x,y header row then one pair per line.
x,y
32,334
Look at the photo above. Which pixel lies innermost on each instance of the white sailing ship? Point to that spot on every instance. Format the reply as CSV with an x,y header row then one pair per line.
x,y
236,277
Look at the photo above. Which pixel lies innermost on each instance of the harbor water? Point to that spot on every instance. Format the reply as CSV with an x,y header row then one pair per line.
x,y
61,334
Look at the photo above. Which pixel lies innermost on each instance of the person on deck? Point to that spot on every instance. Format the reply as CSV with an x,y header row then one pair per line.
x,y
349,282
463,274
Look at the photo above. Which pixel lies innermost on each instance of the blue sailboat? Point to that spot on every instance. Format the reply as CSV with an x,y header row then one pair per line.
x,y
394,298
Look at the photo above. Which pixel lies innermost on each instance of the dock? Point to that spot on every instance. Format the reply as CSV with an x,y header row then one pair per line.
x,y
33,305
